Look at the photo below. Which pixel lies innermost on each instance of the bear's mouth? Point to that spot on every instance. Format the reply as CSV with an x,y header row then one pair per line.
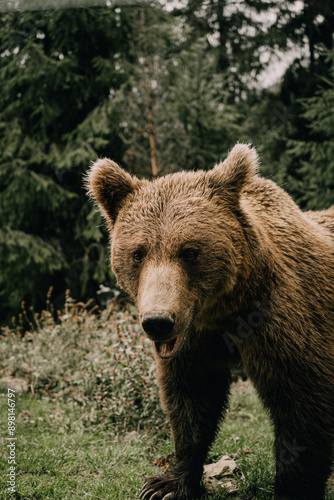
x,y
168,348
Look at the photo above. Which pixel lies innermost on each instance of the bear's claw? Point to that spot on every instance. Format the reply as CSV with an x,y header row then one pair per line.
x,y
151,494
166,487
144,492
148,493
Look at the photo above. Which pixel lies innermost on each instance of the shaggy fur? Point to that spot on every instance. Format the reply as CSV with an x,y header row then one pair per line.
x,y
223,265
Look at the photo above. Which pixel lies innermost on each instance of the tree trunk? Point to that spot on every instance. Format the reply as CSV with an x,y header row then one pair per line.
x,y
223,60
151,131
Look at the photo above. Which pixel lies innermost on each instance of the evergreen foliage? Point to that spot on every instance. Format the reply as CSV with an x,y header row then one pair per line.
x,y
157,91
314,157
57,71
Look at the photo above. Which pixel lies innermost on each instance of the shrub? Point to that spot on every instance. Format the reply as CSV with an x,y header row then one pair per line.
x,y
99,361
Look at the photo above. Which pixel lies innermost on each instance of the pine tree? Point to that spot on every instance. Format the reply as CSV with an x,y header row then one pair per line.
x,y
237,32
313,157
175,100
58,70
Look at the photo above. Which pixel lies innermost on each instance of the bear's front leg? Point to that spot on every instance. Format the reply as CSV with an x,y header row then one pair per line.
x,y
195,400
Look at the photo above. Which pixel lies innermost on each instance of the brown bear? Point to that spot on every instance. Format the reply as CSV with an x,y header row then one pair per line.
x,y
223,265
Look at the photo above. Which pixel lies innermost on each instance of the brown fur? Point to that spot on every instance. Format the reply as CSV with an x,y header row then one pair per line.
x,y
228,265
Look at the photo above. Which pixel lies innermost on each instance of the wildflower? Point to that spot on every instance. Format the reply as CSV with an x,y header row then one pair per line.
x,y
104,408
83,415
59,411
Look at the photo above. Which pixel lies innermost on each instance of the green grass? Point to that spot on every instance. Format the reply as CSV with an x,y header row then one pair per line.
x,y
61,455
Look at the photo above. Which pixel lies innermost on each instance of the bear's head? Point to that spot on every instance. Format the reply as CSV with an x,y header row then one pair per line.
x,y
177,243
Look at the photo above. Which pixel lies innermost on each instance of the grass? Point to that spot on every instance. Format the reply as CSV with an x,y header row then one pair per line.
x,y
59,456
91,425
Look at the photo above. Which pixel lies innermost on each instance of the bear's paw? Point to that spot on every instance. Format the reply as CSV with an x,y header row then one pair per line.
x,y
168,487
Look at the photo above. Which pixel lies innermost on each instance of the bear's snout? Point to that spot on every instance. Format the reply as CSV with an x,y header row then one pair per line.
x,y
158,325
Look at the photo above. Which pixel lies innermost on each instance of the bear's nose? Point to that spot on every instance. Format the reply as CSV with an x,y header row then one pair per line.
x,y
158,325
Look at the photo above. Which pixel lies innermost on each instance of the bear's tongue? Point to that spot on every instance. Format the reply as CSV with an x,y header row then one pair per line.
x,y
165,349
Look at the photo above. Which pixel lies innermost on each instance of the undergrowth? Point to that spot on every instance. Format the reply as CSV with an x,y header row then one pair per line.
x,y
100,362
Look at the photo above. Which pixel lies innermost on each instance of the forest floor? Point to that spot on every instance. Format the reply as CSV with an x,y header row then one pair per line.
x,y
59,457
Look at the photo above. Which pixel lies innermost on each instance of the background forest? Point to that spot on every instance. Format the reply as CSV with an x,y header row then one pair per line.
x,y
158,87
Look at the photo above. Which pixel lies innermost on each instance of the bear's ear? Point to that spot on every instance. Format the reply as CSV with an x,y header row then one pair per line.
x,y
109,185
229,177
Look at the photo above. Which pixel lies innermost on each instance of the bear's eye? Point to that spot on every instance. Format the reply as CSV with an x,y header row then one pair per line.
x,y
189,254
138,256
